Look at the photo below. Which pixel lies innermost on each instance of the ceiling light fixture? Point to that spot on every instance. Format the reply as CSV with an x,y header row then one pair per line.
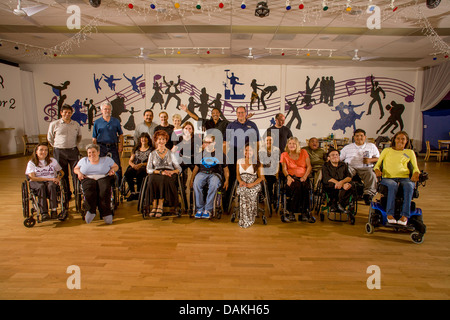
x,y
431,4
95,3
262,10
243,6
288,5
324,5
301,6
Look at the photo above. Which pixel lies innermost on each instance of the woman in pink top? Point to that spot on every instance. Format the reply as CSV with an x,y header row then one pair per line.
x,y
296,167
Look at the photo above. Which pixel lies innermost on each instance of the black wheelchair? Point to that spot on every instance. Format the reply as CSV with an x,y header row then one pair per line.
x,y
30,204
144,204
322,202
218,209
80,199
378,215
305,214
263,197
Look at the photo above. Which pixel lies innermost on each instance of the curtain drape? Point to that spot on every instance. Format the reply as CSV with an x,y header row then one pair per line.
x,y
436,85
30,114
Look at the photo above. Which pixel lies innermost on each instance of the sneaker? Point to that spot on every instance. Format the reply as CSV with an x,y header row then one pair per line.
x,y
403,221
391,220
206,215
198,214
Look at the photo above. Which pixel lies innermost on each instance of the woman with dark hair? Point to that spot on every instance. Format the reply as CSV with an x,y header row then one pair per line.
x,y
249,176
395,162
137,165
45,174
163,168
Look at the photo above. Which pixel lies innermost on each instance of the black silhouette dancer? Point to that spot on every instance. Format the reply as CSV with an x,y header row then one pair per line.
x,y
375,95
172,91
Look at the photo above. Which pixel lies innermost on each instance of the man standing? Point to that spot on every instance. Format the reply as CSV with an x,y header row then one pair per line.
x,y
361,157
284,133
108,134
147,126
214,123
64,135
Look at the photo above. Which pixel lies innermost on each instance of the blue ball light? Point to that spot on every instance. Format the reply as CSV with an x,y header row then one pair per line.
x,y
243,6
152,6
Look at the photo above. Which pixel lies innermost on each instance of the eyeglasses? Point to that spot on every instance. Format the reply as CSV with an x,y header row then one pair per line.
x,y
207,142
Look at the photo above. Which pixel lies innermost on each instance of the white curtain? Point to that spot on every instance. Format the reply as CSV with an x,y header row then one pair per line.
x,y
436,85
30,114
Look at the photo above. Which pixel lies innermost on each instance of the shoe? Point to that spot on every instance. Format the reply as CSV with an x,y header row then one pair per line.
x,y
391,220
403,221
206,215
198,214
342,209
108,219
367,198
159,212
292,217
45,216
53,214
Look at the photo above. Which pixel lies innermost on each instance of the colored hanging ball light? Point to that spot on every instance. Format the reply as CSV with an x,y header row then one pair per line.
x,y
282,53
130,5
208,52
221,5
301,6
243,6
395,9
176,5
325,8
198,6
152,6
348,9
288,7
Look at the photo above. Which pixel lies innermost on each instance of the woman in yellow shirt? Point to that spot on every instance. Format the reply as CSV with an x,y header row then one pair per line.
x,y
395,162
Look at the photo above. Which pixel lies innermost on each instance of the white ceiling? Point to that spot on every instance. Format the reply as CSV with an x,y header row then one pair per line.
x,y
114,33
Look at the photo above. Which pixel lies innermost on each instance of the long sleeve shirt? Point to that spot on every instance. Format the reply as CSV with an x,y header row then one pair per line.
x,y
395,163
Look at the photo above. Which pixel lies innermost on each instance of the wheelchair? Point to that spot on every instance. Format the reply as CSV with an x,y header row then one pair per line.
x,y
79,196
30,204
218,209
143,206
283,199
262,197
323,202
378,215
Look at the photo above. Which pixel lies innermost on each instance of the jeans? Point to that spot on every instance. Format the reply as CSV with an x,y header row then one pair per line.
x,y
392,185
214,182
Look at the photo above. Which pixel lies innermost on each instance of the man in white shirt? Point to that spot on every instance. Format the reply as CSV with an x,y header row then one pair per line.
x,y
64,135
147,126
361,157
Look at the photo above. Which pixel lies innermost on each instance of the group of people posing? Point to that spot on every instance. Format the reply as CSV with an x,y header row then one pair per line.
x,y
223,154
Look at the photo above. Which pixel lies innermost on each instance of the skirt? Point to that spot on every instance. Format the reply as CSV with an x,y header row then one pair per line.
x,y
163,187
248,201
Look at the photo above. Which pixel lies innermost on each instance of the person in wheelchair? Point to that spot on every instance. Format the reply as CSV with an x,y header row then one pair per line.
x,y
44,174
249,176
395,172
163,170
269,156
296,168
317,156
96,175
137,168
210,172
336,180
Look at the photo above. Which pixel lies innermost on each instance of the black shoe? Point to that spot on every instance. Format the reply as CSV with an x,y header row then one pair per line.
x,y
54,214
367,198
342,209
45,216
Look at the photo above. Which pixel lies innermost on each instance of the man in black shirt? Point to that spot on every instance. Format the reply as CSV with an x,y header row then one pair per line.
x,y
284,133
211,170
337,181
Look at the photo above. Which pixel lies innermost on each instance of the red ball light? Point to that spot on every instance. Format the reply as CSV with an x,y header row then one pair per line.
x,y
395,9
221,5
301,6
282,54
54,54
208,52
130,5
446,56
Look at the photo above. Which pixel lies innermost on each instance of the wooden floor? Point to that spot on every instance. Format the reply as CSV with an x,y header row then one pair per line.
x,y
183,258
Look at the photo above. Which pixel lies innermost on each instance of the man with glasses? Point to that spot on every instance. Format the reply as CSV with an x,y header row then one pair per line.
x,y
210,172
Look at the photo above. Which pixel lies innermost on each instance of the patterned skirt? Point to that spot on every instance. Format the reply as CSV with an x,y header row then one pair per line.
x,y
248,201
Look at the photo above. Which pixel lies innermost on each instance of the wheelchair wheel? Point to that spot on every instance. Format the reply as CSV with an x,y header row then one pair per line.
x,y
29,222
25,200
417,237
369,228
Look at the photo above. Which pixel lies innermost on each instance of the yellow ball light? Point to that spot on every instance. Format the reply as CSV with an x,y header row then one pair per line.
x,y
348,9
177,5
178,52
308,54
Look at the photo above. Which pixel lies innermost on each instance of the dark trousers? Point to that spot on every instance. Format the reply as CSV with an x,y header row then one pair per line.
x,y
299,196
67,159
97,194
44,190
336,196
132,174
111,150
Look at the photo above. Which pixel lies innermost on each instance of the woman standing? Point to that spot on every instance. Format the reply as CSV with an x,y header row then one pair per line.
x,y
296,167
395,161
249,177
166,126
45,174
96,175
137,165
163,169
177,129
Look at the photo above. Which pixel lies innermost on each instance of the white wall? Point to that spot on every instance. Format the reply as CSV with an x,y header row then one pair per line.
x,y
317,119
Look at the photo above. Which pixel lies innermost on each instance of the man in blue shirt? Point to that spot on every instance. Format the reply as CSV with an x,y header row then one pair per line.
x,y
239,132
108,134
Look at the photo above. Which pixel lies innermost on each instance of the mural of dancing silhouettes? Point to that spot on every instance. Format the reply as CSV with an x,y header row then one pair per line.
x,y
255,95
133,81
131,125
395,119
375,95
307,99
327,90
57,90
157,95
295,114
97,83
233,81
347,120
267,90
92,112
172,91
110,81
